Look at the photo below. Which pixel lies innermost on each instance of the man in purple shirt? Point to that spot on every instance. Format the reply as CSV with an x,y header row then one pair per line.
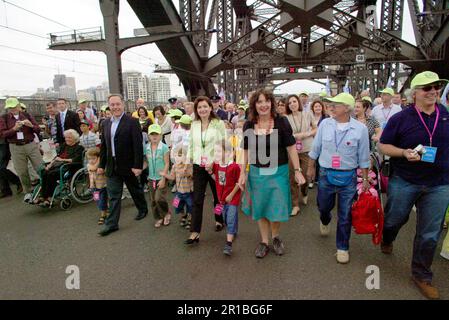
x,y
417,140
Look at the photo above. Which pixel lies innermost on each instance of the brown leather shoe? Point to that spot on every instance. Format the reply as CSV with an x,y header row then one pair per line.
x,y
386,248
427,290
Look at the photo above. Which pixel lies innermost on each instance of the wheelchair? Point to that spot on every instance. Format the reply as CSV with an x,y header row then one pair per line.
x,y
72,185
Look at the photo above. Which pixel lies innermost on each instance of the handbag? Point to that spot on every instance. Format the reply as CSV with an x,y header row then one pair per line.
x,y
340,178
368,216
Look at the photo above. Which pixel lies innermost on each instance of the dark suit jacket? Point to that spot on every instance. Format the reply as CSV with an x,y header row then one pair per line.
x,y
128,142
72,121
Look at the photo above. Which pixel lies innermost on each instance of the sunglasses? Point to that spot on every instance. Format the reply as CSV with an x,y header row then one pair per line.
x,y
430,87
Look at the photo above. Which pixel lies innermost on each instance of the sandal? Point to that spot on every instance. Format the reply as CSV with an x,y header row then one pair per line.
x,y
101,220
218,227
167,219
38,201
295,211
183,221
158,223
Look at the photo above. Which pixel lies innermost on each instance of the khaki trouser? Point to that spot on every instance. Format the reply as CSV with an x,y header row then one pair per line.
x,y
20,156
304,165
158,201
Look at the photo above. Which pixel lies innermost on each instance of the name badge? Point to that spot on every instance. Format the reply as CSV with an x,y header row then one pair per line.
x,y
203,161
20,136
336,162
176,202
96,196
299,146
429,154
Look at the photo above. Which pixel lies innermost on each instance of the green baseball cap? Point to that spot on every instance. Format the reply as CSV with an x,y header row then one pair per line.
x,y
82,101
185,119
343,98
425,78
174,113
305,93
104,107
23,105
155,128
242,105
85,122
323,94
11,103
389,91
367,99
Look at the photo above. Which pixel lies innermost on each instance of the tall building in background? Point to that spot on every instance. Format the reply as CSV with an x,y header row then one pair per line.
x,y
67,92
101,93
160,89
58,81
70,81
135,86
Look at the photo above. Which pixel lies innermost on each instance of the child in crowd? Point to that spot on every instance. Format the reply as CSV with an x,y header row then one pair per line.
x,y
97,183
226,173
88,139
183,174
372,178
158,161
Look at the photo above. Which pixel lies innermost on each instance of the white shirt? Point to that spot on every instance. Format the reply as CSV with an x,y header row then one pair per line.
x,y
383,114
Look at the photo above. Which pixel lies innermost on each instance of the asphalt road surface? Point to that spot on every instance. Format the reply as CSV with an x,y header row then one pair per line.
x,y
140,262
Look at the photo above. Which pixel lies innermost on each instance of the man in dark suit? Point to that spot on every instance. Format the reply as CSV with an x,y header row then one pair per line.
x,y
217,108
121,159
65,120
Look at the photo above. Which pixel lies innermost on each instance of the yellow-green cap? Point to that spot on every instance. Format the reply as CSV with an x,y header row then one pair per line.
x,y
82,101
303,93
242,105
104,107
425,78
367,99
323,94
174,113
11,103
185,119
23,105
343,98
389,91
155,128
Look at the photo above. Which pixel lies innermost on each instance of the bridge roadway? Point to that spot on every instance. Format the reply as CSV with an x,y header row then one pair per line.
x,y
140,262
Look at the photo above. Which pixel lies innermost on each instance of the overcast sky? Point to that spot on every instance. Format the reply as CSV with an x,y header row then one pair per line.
x,y
23,72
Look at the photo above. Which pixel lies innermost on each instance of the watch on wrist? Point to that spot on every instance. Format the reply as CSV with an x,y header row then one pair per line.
x,y
298,169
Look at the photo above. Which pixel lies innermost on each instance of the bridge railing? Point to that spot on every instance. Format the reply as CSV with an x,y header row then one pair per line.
x,y
75,36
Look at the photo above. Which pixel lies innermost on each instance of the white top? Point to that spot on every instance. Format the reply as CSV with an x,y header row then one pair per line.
x,y
342,126
383,114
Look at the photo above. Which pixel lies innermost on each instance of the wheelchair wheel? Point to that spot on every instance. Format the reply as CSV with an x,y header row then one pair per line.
x,y
65,204
79,186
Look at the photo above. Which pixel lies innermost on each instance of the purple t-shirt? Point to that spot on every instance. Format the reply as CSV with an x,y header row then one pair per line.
x,y
406,131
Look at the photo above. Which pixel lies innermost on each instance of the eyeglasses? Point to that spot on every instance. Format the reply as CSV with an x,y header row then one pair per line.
x,y
430,87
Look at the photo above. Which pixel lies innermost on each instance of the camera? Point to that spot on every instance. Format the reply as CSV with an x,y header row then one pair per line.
x,y
420,149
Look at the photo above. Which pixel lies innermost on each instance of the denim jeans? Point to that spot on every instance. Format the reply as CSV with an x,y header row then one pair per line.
x,y
102,202
431,204
231,219
326,202
185,200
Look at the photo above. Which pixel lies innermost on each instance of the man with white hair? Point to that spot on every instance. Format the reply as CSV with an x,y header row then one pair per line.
x,y
342,146
19,129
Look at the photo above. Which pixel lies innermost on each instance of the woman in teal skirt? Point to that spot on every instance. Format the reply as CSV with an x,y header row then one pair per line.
x,y
268,143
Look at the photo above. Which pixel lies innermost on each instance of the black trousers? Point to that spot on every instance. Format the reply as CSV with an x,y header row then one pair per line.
x,y
115,191
6,176
200,180
49,182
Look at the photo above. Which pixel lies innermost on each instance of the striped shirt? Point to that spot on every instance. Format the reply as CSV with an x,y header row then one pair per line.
x,y
184,180
89,141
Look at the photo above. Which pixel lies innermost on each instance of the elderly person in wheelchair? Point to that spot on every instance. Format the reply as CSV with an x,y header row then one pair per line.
x,y
69,159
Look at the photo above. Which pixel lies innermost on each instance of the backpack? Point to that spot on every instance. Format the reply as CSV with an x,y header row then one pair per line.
x,y
368,216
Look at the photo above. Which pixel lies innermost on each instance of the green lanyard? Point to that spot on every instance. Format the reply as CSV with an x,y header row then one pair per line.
x,y
203,140
153,160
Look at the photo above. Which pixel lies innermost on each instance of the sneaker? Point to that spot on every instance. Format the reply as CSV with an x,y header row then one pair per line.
x,y
311,185
386,248
324,230
278,246
304,200
227,250
445,254
426,288
28,197
262,250
342,256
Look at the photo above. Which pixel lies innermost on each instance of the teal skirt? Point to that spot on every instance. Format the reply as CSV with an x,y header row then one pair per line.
x,y
267,194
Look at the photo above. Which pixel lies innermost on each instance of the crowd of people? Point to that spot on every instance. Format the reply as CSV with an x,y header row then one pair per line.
x,y
260,157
